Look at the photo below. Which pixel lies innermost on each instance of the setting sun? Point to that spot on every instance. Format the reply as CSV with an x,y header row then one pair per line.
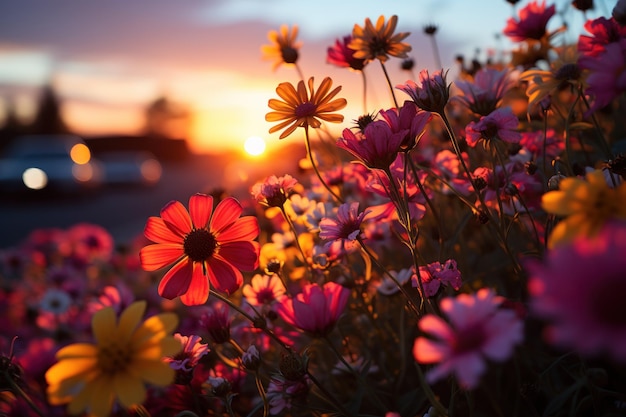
x,y
254,145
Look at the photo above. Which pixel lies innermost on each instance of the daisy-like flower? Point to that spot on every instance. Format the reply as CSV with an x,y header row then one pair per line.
x,y
478,330
603,32
205,245
436,274
283,48
379,42
126,354
533,19
346,227
431,94
274,191
484,93
303,108
586,205
341,55
316,309
564,71
500,124
579,290
263,290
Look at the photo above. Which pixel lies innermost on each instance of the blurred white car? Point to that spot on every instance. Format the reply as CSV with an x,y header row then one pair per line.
x,y
124,168
51,163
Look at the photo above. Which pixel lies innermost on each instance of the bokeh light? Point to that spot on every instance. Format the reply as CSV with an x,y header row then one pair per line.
x,y
254,145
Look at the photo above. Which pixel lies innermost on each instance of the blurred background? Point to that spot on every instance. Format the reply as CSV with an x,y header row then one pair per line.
x,y
169,98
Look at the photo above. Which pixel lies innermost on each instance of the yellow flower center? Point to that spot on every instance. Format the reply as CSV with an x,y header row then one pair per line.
x,y
114,358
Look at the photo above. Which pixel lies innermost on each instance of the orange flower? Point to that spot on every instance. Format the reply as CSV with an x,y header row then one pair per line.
x,y
301,109
379,42
284,49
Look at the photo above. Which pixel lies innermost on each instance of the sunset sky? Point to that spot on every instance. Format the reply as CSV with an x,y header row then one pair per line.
x,y
109,59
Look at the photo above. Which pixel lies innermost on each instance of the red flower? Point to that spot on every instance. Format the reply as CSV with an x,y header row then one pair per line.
x,y
532,22
343,56
205,245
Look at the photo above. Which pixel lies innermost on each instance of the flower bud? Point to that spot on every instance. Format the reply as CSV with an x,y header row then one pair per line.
x,y
251,358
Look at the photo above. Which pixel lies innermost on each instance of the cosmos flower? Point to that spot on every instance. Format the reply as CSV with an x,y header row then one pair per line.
x,y
204,244
316,309
192,350
478,329
274,191
500,124
607,74
346,227
603,32
484,93
302,108
283,48
126,354
579,290
586,205
532,22
379,42
431,93
437,274
341,55
263,290
407,118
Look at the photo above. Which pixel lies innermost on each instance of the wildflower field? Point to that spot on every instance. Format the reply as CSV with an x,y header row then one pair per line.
x,y
460,252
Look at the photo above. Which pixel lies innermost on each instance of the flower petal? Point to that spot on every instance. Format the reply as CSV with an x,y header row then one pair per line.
x,y
176,217
226,212
198,291
224,276
200,207
157,231
244,228
176,281
159,255
129,389
243,255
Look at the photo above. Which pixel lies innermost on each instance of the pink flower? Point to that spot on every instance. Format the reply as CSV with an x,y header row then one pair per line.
x,y
607,77
536,142
274,191
407,119
579,290
532,22
436,274
204,245
603,32
499,124
346,227
478,330
263,290
282,392
192,350
316,309
343,56
88,242
484,93
216,322
376,147
431,94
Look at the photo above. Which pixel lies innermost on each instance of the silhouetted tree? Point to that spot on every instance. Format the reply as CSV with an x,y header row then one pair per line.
x,y
11,128
48,118
165,118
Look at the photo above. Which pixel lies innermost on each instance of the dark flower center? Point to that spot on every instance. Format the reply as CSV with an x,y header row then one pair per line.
x,y
305,109
469,339
490,131
568,72
289,54
379,46
265,296
199,245
607,302
113,359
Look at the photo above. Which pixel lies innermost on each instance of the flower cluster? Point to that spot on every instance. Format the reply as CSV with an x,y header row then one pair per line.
x,y
458,252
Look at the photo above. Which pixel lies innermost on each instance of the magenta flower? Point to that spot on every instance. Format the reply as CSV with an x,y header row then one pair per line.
x,y
532,22
376,147
192,350
607,77
410,119
263,290
316,309
435,275
274,191
499,124
478,329
346,227
603,32
579,290
484,93
431,94
343,56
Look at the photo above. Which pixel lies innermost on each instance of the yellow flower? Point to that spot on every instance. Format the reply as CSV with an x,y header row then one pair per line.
x,y
563,71
303,109
283,48
126,354
587,204
379,42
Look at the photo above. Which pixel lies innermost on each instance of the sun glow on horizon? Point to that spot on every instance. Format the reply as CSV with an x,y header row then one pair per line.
x,y
254,145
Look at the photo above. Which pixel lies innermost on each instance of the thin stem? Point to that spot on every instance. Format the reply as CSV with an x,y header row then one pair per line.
x,y
328,395
364,80
436,51
307,142
295,237
393,95
19,391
